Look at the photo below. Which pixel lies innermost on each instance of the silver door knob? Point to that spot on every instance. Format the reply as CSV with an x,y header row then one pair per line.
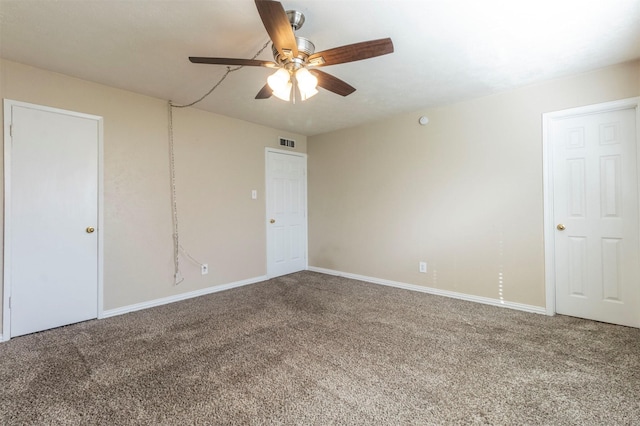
x,y
561,227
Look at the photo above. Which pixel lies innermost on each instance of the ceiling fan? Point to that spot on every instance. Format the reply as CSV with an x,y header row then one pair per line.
x,y
294,57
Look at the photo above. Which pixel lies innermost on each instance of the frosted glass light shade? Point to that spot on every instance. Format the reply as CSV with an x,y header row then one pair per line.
x,y
280,83
306,83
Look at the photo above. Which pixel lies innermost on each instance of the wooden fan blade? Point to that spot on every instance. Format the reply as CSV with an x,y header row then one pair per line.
x,y
232,61
275,21
352,52
333,84
265,92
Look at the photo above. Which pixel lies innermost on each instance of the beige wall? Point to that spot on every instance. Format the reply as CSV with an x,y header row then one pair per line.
x,y
463,193
218,162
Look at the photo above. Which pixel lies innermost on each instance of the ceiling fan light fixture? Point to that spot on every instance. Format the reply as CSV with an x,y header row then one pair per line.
x,y
292,54
280,83
307,83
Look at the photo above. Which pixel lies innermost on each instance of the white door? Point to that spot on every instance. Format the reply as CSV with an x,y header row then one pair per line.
x,y
286,199
595,210
51,264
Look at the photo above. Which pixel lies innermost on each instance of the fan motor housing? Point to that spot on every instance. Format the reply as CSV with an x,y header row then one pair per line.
x,y
305,49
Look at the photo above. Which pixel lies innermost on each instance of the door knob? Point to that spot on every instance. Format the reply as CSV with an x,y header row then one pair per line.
x,y
561,227
90,229
272,221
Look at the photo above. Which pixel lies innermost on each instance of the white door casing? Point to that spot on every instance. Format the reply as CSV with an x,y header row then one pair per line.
x,y
53,194
592,193
286,204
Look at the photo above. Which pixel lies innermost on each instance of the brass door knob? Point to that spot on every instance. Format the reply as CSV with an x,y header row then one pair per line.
x,y
272,221
90,229
561,227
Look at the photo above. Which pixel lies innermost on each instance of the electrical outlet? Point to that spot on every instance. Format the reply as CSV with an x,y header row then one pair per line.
x,y
423,267
204,268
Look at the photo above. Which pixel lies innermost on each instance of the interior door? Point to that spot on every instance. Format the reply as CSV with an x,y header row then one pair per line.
x,y
286,212
597,237
52,211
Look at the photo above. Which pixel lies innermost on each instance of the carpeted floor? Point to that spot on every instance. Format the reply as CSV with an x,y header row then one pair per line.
x,y
314,349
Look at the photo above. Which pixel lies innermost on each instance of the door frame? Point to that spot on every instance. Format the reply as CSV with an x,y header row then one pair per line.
x,y
8,107
266,204
547,173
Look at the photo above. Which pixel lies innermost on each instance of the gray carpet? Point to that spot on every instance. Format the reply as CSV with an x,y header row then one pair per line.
x,y
314,349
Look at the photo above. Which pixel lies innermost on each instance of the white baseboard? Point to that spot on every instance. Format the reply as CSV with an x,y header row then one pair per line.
x,y
178,297
435,291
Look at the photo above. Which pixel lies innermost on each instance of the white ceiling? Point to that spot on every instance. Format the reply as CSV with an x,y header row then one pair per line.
x,y
445,50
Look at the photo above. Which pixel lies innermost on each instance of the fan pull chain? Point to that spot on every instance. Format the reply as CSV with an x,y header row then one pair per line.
x,y
177,247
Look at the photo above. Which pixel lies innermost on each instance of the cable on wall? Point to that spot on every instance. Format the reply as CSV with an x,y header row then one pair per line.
x,y
177,247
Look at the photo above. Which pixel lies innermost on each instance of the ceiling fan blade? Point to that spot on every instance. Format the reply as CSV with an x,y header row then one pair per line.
x,y
265,92
275,21
352,52
331,83
232,61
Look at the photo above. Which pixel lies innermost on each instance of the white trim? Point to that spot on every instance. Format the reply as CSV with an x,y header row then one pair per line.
x,y
547,219
547,173
6,281
435,291
8,120
101,231
266,203
179,297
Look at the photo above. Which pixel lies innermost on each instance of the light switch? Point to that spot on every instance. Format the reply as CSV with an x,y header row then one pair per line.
x,y
254,194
